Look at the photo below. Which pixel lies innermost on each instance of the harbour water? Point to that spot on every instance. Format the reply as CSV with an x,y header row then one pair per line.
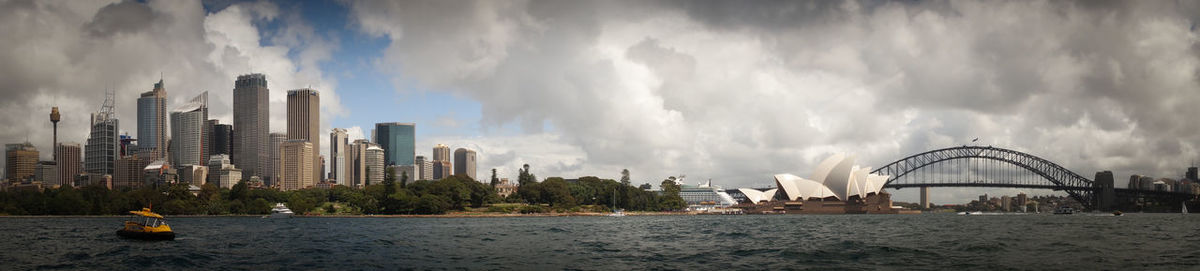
x,y
928,241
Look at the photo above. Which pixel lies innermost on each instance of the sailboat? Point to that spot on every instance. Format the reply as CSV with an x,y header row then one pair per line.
x,y
1184,208
616,212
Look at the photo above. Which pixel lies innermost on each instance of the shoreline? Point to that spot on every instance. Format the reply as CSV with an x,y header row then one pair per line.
x,y
451,215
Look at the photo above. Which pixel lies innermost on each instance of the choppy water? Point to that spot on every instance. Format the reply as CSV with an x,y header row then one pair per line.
x,y
1077,242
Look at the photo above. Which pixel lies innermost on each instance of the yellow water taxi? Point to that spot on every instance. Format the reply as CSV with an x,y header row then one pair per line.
x,y
147,225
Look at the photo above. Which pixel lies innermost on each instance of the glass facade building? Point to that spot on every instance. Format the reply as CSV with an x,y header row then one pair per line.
x,y
398,141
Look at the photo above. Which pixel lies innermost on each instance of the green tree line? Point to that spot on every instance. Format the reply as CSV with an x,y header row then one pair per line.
x,y
395,195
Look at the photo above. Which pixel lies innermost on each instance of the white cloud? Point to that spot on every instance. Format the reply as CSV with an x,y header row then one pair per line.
x,y
737,92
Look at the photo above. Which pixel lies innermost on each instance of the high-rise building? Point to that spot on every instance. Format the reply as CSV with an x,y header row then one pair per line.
x,y
296,170
404,171
304,121
223,173
441,153
129,172
398,141
152,121
321,167
271,173
357,157
251,118
339,141
374,161
20,161
220,138
70,163
193,174
441,169
424,168
464,160
46,172
102,144
187,132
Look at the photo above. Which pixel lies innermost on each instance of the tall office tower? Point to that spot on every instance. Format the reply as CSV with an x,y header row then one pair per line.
x,y
251,118
321,167
152,122
357,160
339,140
304,121
187,132
296,168
220,138
68,156
441,153
441,169
375,165
398,141
465,161
20,161
424,168
271,173
101,150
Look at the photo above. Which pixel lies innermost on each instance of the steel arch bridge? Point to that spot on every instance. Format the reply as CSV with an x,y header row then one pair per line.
x,y
980,166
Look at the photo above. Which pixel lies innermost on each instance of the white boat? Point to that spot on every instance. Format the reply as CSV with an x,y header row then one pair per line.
x,y
618,212
1064,210
280,211
1184,208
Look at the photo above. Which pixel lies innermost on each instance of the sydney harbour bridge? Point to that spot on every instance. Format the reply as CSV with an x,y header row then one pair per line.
x,y
986,166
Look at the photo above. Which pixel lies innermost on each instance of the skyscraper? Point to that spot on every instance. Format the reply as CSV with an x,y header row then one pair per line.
x,y
221,172
304,121
187,132
424,168
20,161
296,168
129,171
220,138
441,153
152,122
68,156
251,119
102,144
464,160
374,164
357,158
441,169
398,141
339,140
271,173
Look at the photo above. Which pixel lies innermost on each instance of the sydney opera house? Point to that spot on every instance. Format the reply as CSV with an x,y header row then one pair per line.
x,y
837,186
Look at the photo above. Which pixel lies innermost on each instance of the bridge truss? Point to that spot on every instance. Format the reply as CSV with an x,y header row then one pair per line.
x,y
985,166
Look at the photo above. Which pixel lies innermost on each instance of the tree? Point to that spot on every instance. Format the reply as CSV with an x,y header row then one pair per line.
x,y
670,199
495,181
646,186
403,178
625,176
556,193
389,180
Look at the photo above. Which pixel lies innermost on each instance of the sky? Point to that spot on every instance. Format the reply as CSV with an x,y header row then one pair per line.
x,y
725,90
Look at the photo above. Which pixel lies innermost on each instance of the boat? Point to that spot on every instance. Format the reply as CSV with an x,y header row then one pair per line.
x,y
1064,210
1184,211
281,211
146,225
1118,213
616,212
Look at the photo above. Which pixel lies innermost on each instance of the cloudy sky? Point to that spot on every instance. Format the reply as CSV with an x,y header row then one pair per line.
x,y
728,90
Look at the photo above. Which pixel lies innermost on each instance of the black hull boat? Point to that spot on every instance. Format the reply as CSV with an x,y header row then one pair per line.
x,y
146,235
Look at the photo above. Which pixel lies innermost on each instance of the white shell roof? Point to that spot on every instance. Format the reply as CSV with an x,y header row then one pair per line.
x,y
835,176
756,196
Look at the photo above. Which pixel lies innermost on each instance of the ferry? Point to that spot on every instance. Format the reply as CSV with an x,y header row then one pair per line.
x,y
280,211
1064,210
146,225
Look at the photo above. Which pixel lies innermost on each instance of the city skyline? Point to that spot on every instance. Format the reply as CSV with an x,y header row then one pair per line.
x,y
609,86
